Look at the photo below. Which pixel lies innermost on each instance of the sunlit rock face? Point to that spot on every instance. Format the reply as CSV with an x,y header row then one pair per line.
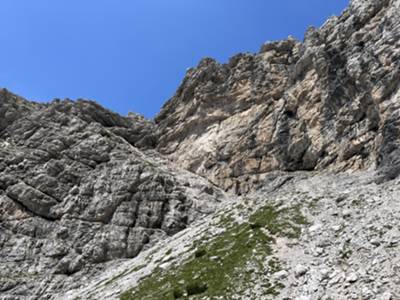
x,y
328,103
83,189
77,190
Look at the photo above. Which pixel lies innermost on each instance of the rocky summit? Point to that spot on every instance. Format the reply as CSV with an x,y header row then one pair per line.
x,y
273,176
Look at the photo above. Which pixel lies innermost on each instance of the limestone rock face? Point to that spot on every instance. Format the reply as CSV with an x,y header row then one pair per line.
x,y
75,192
328,103
91,202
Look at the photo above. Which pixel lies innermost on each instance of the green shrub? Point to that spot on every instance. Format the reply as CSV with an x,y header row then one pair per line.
x,y
196,288
177,294
255,225
200,253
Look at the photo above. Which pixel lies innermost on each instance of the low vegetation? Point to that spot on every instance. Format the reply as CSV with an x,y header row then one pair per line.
x,y
225,264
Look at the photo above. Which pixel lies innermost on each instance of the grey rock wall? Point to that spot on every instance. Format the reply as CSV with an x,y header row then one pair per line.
x,y
82,187
76,193
327,103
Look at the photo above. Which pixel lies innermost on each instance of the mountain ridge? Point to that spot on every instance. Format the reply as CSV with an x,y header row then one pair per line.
x,y
272,148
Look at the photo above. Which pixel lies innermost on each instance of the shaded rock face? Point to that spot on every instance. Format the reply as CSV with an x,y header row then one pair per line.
x,y
75,192
329,103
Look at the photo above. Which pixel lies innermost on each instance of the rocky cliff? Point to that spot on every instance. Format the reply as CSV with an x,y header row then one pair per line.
x,y
278,169
77,191
327,103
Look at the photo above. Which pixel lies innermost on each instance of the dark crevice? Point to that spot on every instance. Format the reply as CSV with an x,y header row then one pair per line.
x,y
24,207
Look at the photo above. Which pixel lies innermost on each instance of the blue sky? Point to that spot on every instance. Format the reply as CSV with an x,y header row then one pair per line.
x,y
131,55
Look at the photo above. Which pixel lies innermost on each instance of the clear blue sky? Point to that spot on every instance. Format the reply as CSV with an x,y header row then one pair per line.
x,y
131,55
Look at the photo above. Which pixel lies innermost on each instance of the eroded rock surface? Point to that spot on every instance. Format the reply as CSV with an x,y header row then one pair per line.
x,y
328,103
75,192
91,202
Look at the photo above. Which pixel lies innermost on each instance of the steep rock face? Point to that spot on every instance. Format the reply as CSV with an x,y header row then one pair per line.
x,y
329,103
82,188
75,193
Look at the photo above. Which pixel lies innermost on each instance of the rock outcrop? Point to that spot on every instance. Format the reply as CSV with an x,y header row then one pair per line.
x,y
77,191
246,162
328,103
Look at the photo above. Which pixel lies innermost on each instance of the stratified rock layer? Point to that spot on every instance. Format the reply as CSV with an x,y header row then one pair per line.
x,y
329,103
83,189
75,192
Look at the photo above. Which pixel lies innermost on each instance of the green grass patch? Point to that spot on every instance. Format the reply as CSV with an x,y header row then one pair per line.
x,y
226,220
218,267
282,222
